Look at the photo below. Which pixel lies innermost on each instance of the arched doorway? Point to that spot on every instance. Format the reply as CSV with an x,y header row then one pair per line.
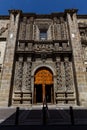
x,y
43,86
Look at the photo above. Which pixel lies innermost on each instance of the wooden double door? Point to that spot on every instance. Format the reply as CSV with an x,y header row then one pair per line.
x,y
43,86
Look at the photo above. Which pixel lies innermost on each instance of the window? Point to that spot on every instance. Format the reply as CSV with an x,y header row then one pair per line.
x,y
43,34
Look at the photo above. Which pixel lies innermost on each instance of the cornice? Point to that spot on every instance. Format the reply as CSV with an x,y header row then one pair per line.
x,y
71,11
82,16
4,17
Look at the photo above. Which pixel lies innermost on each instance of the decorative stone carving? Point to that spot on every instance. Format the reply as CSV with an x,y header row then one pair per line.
x,y
68,74
58,31
64,46
55,32
34,32
21,46
26,81
56,46
63,76
29,46
63,31
18,74
51,29
27,30
66,31
59,78
23,29
43,47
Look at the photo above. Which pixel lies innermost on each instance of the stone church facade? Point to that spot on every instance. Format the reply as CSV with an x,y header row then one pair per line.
x,y
43,57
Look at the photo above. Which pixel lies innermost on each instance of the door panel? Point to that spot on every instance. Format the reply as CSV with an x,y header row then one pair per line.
x,y
48,93
38,93
43,81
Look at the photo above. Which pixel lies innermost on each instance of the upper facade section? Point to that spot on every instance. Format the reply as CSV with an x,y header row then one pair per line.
x,y
43,27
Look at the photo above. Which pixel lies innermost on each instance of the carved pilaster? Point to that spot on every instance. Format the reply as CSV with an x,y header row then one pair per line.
x,y
26,76
34,32
59,78
18,74
22,32
63,76
27,30
31,28
66,32
68,72
55,28
63,29
59,30
51,29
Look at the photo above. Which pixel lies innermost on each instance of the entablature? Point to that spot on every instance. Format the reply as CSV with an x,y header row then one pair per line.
x,y
55,46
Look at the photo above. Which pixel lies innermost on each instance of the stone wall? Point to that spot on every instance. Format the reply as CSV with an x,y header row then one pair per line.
x,y
9,59
78,62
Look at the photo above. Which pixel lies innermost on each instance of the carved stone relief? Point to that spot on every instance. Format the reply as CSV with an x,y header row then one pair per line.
x,y
43,47
26,80
60,29
59,78
68,74
63,76
18,74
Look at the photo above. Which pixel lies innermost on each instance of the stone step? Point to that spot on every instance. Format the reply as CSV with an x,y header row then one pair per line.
x,y
34,116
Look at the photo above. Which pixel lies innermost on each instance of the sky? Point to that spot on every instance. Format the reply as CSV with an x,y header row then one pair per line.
x,y
42,6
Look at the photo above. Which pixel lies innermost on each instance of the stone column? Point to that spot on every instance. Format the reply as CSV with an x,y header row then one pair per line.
x,y
79,68
9,58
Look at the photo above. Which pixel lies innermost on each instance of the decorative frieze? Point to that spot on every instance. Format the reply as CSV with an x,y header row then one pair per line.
x,y
41,46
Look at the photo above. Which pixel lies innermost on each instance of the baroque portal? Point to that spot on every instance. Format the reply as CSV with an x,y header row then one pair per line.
x,y
56,41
